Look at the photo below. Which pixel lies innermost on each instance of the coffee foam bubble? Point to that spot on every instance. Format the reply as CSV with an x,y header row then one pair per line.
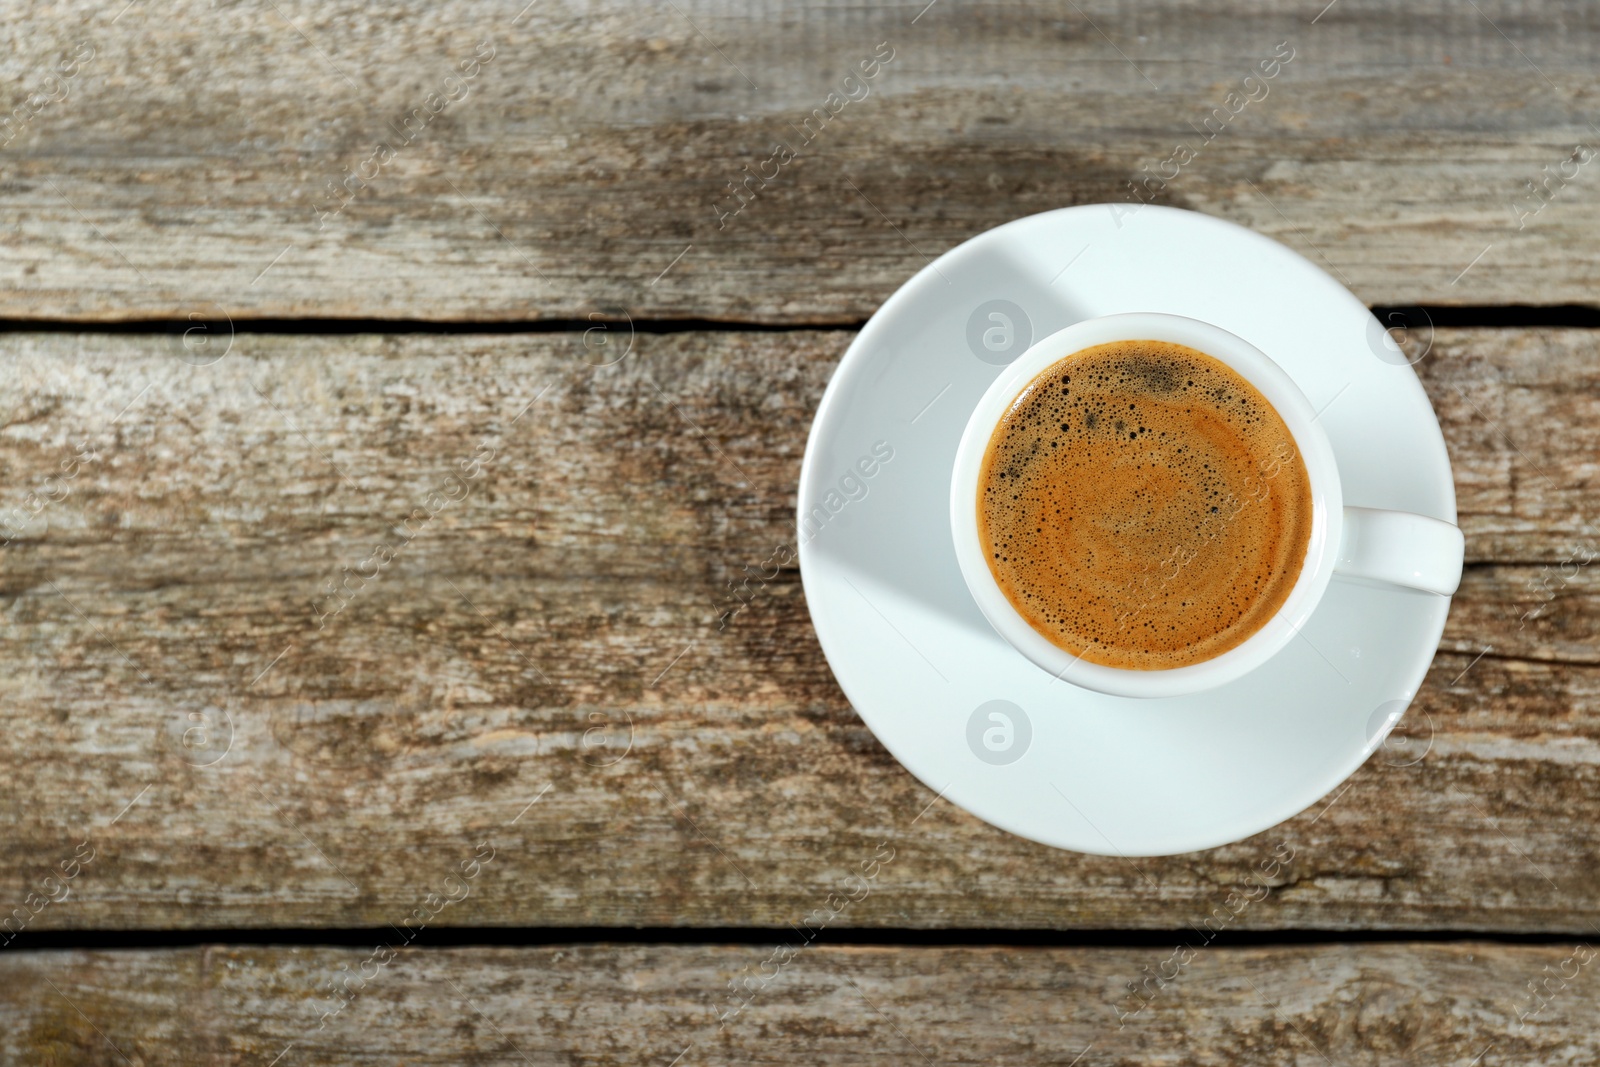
x,y
1143,506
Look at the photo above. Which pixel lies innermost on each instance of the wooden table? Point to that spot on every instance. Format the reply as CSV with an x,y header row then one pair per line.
x,y
393,395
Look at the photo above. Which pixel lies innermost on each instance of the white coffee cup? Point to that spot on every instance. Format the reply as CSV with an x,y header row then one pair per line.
x,y
1394,547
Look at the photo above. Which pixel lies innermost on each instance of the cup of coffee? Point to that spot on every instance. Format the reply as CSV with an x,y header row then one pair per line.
x,y
1146,505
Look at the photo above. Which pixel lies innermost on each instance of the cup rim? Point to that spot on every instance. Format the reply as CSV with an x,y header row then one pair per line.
x,y
1285,397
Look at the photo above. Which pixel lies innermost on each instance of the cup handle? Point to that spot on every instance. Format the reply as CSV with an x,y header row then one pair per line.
x,y
1397,547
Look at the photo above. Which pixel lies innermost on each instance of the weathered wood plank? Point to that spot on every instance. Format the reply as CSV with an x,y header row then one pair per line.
x,y
602,1004
538,665
226,158
1519,407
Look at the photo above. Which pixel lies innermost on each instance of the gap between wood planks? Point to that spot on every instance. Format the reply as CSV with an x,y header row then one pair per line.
x,y
1448,317
543,936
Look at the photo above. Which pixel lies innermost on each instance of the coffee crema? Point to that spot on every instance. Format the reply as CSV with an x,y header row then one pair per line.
x,y
1143,506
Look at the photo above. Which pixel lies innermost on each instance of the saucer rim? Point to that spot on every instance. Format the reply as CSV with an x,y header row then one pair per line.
x,y
983,806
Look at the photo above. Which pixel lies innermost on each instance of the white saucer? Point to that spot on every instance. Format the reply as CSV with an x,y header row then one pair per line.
x,y
971,717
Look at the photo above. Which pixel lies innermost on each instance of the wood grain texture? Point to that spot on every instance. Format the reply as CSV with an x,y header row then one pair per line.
x,y
184,166
538,664
1420,1004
